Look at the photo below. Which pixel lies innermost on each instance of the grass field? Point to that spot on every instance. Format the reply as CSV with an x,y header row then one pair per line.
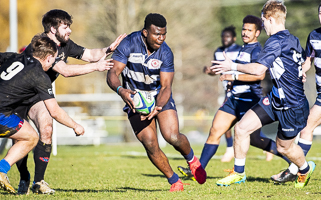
x,y
124,172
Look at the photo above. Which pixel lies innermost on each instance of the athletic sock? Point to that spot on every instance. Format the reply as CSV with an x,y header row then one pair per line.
x,y
293,169
4,166
305,145
190,156
305,168
173,179
229,142
23,169
41,156
207,153
239,165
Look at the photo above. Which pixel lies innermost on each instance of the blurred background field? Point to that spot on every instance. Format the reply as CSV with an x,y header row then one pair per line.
x,y
123,171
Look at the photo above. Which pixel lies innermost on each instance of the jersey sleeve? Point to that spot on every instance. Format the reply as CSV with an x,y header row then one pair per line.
x,y
75,50
168,62
122,52
43,87
309,49
4,56
255,54
271,50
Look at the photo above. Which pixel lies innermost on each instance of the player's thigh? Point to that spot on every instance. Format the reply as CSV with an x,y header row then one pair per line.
x,y
39,114
249,123
145,131
168,123
25,133
222,122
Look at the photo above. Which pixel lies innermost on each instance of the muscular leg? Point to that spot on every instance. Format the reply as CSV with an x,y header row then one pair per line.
x,y
43,121
146,133
222,122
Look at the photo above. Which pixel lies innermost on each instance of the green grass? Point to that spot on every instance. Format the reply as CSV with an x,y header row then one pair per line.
x,y
124,172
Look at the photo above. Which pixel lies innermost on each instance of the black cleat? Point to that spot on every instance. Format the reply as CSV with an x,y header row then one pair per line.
x,y
186,172
284,177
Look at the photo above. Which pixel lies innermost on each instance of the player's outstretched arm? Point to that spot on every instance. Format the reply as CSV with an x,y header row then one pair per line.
x,y
114,83
77,70
94,55
62,117
242,77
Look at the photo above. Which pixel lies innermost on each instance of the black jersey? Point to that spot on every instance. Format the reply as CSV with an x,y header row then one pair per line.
x,y
65,50
21,78
4,57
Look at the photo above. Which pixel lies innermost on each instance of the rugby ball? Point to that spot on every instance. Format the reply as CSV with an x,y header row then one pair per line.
x,y
144,102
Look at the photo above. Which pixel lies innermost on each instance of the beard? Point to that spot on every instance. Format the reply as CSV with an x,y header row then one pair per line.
x,y
61,38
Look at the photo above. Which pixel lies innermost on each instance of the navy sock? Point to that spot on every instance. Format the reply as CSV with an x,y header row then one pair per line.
x,y
4,166
41,157
207,153
239,165
229,141
190,156
173,179
305,147
305,170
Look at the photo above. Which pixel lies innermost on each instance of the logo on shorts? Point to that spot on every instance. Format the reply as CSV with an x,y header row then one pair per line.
x,y
287,129
266,101
155,63
50,91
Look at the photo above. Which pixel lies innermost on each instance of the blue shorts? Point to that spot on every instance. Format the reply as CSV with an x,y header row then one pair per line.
x,y
9,124
237,107
170,105
291,121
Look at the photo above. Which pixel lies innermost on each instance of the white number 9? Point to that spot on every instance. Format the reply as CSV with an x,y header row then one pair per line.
x,y
14,69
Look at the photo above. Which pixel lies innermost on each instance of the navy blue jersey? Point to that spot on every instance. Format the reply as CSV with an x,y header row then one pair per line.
x,y
313,50
65,50
283,55
247,91
21,78
142,71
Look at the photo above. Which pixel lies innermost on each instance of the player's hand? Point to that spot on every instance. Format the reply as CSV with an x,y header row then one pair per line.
x,y
222,66
226,77
155,112
79,130
304,77
125,94
115,44
103,65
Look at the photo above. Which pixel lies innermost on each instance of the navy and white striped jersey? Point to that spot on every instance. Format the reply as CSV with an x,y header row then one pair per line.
x,y
283,55
142,72
242,90
231,52
313,50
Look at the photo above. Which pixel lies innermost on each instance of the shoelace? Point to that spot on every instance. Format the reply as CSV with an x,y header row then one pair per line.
x,y
301,177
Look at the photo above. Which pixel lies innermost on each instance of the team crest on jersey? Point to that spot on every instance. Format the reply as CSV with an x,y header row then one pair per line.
x,y
155,63
266,101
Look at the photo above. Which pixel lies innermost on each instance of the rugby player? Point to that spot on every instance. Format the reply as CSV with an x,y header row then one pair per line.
x,y
246,92
56,25
21,78
287,103
145,62
228,38
313,53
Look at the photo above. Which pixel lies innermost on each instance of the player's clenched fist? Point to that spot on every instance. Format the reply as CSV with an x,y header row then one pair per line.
x,y
79,130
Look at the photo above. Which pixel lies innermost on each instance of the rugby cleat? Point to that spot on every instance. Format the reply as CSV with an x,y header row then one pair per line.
x,y
177,187
5,183
42,187
186,172
232,177
283,177
303,179
23,187
197,170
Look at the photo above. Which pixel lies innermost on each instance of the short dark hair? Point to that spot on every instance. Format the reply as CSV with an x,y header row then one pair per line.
x,y
42,46
253,20
54,18
155,19
230,29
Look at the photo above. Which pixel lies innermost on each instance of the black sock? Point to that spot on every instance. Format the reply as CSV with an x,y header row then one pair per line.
x,y
41,156
23,169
